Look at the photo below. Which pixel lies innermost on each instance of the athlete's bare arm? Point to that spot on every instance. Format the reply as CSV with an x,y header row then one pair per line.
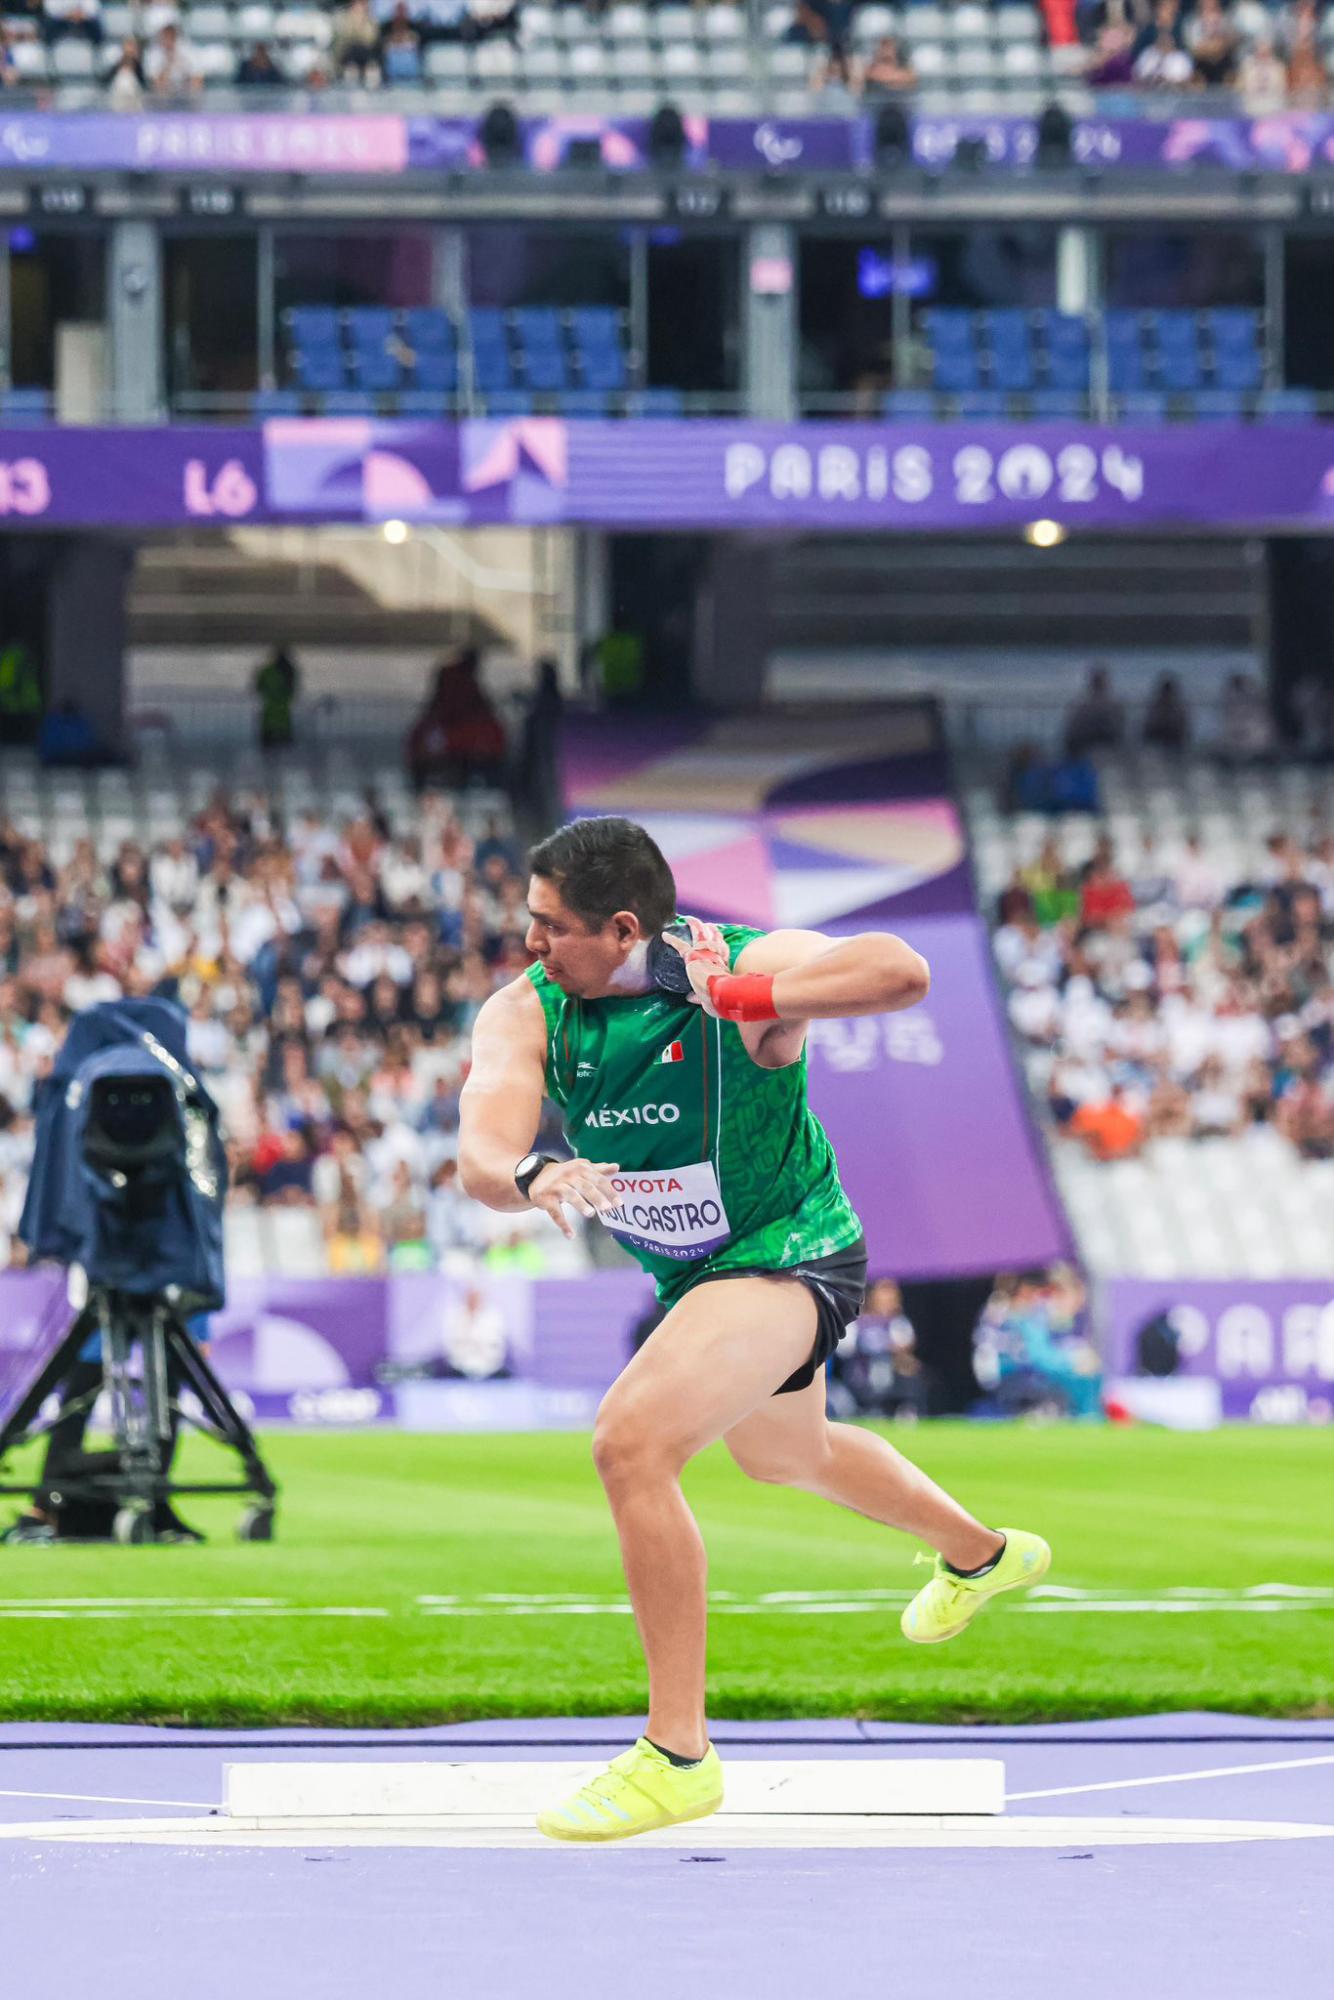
x,y
818,978
499,1111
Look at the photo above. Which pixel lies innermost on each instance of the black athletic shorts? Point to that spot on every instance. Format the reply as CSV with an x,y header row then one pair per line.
x,y
838,1283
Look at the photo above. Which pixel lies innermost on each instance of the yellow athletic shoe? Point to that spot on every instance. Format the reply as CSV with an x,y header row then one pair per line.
x,y
639,1790
944,1606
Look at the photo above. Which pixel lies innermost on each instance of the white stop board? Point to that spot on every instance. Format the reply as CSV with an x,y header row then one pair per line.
x,y
444,1791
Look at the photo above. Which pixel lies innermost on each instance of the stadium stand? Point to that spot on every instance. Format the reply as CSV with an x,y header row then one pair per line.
x,y
1169,970
1048,364
504,363
961,56
333,940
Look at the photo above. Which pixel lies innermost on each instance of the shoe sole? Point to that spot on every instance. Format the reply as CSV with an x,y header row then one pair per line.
x,y
603,1839
1020,1583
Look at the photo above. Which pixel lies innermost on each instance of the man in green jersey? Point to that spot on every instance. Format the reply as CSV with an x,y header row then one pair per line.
x,y
695,1145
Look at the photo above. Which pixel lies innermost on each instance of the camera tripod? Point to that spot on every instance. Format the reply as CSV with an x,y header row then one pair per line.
x,y
146,1411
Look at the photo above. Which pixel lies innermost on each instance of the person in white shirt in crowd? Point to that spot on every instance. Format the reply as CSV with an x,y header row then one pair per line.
x,y
90,983
475,1335
171,66
1199,883
404,879
1164,64
173,873
1262,78
1216,1103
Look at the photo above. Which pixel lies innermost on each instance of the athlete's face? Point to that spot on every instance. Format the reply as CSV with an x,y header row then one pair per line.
x,y
583,961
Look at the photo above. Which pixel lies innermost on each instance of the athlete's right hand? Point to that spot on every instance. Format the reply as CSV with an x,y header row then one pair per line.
x,y
584,1184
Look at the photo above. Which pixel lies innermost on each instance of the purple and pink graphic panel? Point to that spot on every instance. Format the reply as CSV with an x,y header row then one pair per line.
x,y
374,144
704,474
1269,1346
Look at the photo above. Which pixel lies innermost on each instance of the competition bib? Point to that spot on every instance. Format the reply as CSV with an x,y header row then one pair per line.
x,y
672,1211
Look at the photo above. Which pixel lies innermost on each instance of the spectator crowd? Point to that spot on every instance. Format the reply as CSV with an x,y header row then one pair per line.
x,y
331,975
1165,46
1158,996
1158,46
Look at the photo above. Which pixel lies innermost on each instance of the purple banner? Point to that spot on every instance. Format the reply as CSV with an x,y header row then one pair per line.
x,y
1268,1346
704,474
195,142
421,1349
934,1143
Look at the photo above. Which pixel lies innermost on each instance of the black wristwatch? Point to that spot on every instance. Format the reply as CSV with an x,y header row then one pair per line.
x,y
528,1169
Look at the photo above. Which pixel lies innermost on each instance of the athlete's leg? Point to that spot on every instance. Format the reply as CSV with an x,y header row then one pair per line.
x,y
718,1355
789,1441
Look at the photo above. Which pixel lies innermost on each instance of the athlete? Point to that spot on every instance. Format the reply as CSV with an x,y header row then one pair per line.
x,y
696,1147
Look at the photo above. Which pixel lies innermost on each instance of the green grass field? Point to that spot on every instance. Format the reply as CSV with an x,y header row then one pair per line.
x,y
372,1524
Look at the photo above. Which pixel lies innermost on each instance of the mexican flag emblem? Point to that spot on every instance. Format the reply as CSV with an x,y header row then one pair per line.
x,y
672,1053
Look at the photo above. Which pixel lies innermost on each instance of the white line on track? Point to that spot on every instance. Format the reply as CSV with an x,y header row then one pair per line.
x,y
1045,1600
105,1799
211,1611
795,1831
1173,1778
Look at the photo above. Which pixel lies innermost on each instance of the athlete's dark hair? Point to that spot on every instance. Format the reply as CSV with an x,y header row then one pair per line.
x,y
604,865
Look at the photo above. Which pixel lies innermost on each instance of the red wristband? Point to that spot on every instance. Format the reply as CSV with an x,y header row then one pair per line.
x,y
743,996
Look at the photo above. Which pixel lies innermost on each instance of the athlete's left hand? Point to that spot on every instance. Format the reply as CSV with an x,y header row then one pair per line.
x,y
706,957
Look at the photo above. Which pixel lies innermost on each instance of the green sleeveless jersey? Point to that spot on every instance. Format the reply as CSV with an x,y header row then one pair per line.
x,y
723,1164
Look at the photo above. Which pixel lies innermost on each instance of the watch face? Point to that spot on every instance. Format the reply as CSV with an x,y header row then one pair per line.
x,y
526,1165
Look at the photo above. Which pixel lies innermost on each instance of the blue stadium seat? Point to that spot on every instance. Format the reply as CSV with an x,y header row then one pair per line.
x,y
370,326
1180,370
274,403
486,327
429,330
1219,406
311,327
1237,368
1055,406
602,368
658,403
538,326
955,370
492,371
1144,409
421,403
1233,326
584,403
1067,342
492,368
1287,406
1068,371
909,405
595,326
509,403
437,369
1180,365
546,368
347,403
319,369
1012,365
375,371
983,406
1056,327
1125,352
1007,326
26,406
948,326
